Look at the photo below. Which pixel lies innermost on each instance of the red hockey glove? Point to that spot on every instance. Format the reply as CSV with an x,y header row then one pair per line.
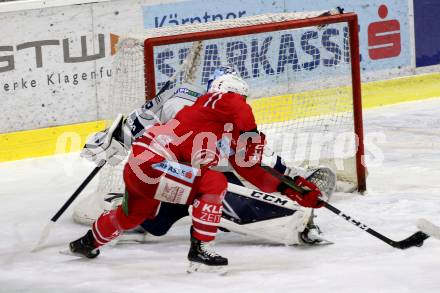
x,y
251,144
309,200
255,147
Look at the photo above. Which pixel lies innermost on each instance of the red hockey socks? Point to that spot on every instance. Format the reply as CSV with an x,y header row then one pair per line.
x,y
105,228
206,218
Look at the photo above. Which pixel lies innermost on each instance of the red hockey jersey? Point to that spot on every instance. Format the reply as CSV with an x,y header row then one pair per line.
x,y
207,133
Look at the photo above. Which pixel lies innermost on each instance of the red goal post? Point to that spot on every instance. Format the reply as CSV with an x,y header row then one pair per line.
x,y
350,18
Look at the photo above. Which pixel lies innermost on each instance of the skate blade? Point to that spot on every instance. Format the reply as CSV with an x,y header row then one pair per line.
x,y
322,242
69,252
316,241
195,267
319,242
315,244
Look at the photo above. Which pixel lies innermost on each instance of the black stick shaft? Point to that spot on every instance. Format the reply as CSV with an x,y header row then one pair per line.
x,y
414,240
359,224
77,192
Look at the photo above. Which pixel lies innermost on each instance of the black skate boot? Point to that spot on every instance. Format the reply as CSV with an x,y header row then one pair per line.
x,y
84,246
202,258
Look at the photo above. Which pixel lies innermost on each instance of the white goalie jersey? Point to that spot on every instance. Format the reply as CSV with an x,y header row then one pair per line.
x,y
160,109
113,144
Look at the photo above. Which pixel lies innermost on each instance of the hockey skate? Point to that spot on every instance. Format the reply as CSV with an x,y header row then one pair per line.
x,y
312,235
83,247
202,258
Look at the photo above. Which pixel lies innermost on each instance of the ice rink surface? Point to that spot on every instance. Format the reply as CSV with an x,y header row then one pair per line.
x,y
401,189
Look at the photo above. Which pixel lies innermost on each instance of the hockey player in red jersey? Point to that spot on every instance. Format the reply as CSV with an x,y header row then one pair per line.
x,y
174,163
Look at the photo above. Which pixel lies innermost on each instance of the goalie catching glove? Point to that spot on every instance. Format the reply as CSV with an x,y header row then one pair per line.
x,y
313,198
106,145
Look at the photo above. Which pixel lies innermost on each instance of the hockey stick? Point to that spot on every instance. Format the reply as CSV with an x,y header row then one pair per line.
x,y
46,231
415,239
429,228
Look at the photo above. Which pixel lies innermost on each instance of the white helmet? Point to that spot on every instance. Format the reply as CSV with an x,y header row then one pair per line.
x,y
230,83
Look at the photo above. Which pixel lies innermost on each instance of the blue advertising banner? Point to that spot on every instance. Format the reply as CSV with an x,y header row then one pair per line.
x,y
427,32
197,11
303,55
383,24
383,29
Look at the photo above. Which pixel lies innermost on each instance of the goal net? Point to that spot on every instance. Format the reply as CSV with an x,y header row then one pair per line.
x,y
304,78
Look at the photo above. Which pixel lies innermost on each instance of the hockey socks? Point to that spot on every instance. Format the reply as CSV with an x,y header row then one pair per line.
x,y
206,218
202,257
105,228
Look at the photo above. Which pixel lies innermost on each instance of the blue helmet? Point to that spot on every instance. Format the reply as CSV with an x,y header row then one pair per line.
x,y
222,70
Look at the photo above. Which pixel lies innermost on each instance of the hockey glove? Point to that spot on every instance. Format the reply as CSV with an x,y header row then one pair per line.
x,y
254,147
312,199
106,145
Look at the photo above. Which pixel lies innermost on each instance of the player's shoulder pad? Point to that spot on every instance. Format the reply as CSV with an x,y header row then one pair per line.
x,y
189,92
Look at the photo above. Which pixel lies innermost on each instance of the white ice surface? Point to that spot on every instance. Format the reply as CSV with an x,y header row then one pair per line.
x,y
403,188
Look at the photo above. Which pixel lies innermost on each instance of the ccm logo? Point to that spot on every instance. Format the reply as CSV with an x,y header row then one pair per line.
x,y
269,198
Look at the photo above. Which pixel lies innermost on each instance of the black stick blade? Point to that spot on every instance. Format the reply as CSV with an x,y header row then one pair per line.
x,y
414,240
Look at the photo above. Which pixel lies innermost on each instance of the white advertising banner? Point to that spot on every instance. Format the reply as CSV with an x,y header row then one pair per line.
x,y
55,63
383,24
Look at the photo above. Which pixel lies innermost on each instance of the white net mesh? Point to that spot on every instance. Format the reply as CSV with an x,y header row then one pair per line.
x,y
300,85
300,88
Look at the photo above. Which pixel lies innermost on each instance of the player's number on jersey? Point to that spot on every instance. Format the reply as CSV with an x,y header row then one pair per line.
x,y
210,103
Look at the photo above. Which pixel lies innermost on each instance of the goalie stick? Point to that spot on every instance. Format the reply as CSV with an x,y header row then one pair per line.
x,y
415,239
429,228
46,231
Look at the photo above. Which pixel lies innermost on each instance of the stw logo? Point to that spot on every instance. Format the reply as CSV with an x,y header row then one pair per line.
x,y
384,37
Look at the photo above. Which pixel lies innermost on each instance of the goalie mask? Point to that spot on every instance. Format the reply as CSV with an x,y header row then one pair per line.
x,y
222,70
230,83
